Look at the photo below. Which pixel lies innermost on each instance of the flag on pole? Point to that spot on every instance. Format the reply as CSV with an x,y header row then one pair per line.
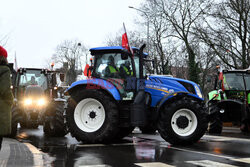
x,y
125,43
221,78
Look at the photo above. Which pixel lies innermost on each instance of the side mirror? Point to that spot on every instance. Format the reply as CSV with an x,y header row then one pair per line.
x,y
61,77
124,56
53,80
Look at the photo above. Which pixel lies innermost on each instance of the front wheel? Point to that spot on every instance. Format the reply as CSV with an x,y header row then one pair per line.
x,y
92,116
56,126
14,122
183,121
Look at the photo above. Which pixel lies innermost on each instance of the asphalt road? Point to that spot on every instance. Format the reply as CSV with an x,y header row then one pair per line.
x,y
230,149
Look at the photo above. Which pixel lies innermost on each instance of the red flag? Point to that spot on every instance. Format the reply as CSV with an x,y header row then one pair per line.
x,y
221,78
87,72
125,41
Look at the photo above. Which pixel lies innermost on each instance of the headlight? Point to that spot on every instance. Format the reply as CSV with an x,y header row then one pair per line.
x,y
27,102
198,91
41,102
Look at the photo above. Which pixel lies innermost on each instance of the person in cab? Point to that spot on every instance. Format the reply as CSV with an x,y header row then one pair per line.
x,y
111,71
125,70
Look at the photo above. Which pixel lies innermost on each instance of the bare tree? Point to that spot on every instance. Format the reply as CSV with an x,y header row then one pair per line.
x,y
227,32
69,54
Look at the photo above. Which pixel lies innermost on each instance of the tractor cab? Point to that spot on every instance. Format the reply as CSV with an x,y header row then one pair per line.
x,y
236,84
119,67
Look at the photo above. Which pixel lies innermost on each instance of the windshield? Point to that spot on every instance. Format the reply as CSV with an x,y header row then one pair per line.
x,y
33,77
234,81
111,65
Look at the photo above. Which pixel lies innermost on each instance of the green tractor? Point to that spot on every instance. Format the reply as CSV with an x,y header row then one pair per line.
x,y
38,102
229,101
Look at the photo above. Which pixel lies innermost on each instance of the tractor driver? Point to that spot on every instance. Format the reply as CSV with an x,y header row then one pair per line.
x,y
111,70
125,70
32,81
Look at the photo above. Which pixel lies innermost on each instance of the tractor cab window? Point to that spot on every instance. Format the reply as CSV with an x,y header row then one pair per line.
x,y
233,81
33,77
137,61
111,65
247,79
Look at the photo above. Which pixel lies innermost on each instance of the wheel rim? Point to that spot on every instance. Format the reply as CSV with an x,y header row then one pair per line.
x,y
184,122
89,115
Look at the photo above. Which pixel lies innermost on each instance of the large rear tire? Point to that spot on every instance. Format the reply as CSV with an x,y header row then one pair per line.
x,y
183,121
14,122
215,125
92,116
55,127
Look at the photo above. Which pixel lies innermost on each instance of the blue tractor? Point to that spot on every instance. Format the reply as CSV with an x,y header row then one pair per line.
x,y
119,96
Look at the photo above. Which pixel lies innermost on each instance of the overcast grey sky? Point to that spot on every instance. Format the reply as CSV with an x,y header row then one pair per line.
x,y
36,27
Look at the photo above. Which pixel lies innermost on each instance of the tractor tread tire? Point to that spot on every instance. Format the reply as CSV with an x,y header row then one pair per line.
x,y
109,129
58,128
167,111
215,125
14,122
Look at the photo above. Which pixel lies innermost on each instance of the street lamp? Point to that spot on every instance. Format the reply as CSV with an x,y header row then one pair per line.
x,y
146,14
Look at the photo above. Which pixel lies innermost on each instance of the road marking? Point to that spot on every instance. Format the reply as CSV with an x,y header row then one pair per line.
x,y
3,163
105,145
198,152
91,145
153,164
245,160
37,155
207,163
225,138
95,165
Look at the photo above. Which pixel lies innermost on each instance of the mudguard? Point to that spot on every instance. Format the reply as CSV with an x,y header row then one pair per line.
x,y
174,94
95,84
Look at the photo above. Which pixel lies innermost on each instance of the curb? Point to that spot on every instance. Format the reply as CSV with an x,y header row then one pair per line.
x,y
15,153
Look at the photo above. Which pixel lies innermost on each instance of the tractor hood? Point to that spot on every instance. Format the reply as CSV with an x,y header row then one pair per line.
x,y
159,85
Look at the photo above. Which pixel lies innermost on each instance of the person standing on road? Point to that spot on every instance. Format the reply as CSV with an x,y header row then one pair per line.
x,y
6,97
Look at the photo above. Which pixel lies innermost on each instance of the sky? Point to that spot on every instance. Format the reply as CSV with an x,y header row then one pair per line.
x,y
35,27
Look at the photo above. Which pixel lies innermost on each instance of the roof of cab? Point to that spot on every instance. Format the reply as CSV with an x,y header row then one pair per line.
x,y
106,49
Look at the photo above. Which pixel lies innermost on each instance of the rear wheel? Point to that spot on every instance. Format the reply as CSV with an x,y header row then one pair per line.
x,y
54,125
215,125
92,116
183,121
245,127
14,121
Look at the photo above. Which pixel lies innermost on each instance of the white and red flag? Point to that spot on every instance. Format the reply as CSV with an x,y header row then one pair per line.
x,y
221,78
125,43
